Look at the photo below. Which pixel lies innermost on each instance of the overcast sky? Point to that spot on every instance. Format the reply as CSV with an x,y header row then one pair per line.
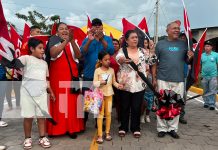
x,y
202,13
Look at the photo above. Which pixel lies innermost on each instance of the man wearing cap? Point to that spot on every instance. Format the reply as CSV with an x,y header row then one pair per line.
x,y
91,46
172,54
209,63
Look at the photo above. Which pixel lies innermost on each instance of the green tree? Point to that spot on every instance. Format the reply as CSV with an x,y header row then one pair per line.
x,y
38,19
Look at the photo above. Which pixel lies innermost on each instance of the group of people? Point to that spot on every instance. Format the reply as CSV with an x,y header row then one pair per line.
x,y
107,63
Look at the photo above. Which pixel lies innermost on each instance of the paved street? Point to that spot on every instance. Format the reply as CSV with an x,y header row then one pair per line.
x,y
201,133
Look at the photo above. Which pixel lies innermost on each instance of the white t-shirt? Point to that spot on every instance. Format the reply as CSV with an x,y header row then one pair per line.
x,y
35,72
34,68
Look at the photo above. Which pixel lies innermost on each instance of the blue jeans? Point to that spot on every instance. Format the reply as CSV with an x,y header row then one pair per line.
x,y
209,86
3,85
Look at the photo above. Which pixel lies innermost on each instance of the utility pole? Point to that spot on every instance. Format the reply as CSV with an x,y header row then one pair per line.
x,y
156,24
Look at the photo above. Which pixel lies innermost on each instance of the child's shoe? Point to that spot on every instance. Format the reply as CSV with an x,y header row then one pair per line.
x,y
44,142
147,119
27,144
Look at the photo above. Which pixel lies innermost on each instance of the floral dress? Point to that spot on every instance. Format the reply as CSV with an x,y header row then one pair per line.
x,y
128,76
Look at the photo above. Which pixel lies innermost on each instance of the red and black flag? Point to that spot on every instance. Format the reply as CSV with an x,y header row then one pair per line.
x,y
6,48
143,25
16,40
129,26
187,28
196,62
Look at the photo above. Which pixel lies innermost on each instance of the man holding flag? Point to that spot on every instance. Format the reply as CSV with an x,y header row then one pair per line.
x,y
172,53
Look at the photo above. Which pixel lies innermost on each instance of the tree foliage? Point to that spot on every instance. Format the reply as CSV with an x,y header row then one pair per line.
x,y
38,19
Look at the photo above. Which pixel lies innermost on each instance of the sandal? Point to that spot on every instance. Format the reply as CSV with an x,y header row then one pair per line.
x,y
3,124
137,134
27,144
122,133
99,140
108,137
44,142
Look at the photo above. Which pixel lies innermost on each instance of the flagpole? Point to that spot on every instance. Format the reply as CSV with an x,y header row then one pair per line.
x,y
186,19
156,24
200,38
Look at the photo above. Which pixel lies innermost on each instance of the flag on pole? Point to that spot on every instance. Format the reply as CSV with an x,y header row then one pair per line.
x,y
6,48
89,23
196,62
111,35
16,40
187,27
129,26
26,34
143,26
54,28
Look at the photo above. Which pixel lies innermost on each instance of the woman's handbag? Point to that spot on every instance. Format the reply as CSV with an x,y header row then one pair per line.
x,y
75,81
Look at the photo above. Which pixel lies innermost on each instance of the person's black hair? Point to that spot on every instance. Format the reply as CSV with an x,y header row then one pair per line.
x,y
148,42
96,21
100,57
33,42
35,27
58,25
102,54
116,40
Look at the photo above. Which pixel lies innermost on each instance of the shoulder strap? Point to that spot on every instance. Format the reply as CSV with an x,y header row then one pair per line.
x,y
143,77
68,61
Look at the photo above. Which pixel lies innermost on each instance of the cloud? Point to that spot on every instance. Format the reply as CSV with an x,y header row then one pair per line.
x,y
76,20
111,11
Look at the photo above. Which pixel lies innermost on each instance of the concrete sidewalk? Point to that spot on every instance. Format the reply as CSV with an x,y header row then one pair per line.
x,y
201,133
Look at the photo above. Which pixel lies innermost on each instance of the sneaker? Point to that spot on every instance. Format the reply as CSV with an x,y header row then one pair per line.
x,y
161,134
27,144
173,134
3,124
182,121
212,108
147,119
206,106
44,142
142,119
2,147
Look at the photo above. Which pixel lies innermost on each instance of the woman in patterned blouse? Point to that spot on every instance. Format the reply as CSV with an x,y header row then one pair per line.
x,y
134,87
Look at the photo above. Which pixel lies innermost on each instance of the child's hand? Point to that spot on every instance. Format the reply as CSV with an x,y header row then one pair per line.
x,y
120,86
103,82
52,95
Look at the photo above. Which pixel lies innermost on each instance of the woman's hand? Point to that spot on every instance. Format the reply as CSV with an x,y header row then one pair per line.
x,y
71,35
52,95
123,60
91,35
151,44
